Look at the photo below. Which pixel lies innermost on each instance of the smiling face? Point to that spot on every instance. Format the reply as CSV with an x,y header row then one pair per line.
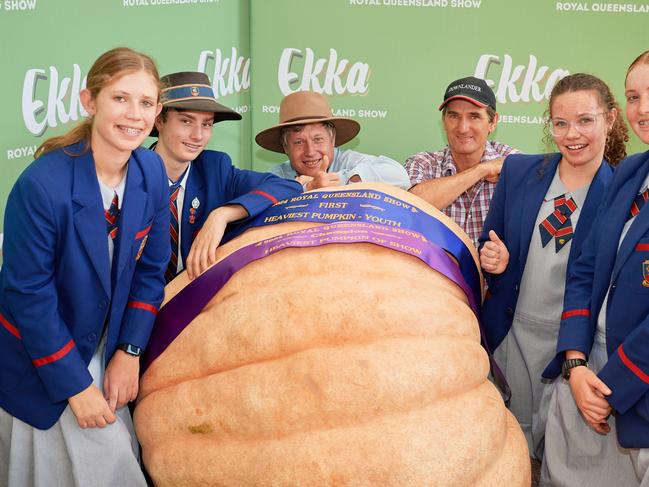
x,y
637,101
123,113
182,137
467,127
586,123
307,145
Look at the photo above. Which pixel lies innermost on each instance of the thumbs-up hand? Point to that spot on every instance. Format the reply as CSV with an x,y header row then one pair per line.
x,y
494,255
325,163
323,178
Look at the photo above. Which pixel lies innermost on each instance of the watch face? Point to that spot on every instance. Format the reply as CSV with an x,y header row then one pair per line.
x,y
130,349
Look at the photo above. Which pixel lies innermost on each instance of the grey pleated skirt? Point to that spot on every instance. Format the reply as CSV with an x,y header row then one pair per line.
x,y
65,454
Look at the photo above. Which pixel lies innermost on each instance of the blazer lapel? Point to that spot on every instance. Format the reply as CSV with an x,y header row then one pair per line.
x,y
89,220
640,225
596,193
131,215
535,190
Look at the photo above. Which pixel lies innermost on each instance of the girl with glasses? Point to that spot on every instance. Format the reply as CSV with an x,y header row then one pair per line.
x,y
540,215
85,250
599,419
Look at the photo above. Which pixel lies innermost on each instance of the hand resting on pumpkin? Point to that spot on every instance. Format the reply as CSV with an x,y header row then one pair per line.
x,y
121,379
203,252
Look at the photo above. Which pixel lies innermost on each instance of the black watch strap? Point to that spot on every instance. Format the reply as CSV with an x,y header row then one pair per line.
x,y
130,349
571,363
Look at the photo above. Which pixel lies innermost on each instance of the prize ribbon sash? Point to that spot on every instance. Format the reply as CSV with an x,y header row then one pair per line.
x,y
176,314
369,206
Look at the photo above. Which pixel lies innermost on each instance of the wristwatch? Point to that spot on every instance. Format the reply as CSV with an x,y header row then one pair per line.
x,y
130,349
570,364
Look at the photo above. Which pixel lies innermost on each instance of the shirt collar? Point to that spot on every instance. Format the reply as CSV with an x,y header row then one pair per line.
x,y
645,184
556,187
183,178
490,153
449,168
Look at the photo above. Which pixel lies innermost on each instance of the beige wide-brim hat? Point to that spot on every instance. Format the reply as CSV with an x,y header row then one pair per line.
x,y
301,108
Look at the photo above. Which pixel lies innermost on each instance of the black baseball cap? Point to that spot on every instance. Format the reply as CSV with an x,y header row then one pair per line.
x,y
471,89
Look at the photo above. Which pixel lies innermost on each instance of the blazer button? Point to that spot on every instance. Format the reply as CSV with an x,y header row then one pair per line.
x,y
102,304
92,337
516,287
510,311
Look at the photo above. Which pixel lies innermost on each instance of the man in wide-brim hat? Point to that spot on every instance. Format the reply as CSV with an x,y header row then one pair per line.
x,y
206,191
309,134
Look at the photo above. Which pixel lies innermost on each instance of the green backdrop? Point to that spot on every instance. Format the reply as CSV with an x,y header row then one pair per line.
x,y
384,62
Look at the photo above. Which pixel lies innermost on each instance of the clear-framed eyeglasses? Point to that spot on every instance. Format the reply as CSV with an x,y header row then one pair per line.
x,y
585,124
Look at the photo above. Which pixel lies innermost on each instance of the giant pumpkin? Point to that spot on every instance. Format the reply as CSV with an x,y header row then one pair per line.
x,y
341,365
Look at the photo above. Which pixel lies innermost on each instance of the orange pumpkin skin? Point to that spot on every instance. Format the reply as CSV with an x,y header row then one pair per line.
x,y
337,365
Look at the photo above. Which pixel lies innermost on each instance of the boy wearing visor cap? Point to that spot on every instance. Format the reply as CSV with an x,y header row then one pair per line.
x,y
460,179
206,192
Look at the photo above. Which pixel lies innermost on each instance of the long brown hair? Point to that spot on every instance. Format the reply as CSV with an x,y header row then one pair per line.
x,y
106,69
641,59
618,136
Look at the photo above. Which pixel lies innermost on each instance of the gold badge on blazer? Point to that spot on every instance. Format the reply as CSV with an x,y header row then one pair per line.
x,y
645,273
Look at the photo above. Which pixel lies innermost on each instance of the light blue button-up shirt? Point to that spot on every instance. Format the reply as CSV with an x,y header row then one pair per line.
x,y
348,163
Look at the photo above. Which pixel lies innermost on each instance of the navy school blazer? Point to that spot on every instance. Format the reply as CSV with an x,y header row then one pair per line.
x,y
57,289
517,199
626,372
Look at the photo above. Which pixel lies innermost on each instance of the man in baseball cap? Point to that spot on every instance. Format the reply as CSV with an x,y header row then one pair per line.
x,y
206,192
460,178
309,134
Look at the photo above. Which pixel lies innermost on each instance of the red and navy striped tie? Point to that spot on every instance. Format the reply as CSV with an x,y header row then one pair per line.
x,y
558,225
111,215
172,267
639,201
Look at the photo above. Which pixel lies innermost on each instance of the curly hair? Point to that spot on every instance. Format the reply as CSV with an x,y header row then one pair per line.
x,y
617,137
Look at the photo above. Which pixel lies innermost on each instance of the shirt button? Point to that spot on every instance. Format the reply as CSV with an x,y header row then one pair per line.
x,y
92,337
102,304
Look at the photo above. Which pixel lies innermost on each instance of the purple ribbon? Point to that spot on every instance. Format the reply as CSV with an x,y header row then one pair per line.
x,y
368,206
176,314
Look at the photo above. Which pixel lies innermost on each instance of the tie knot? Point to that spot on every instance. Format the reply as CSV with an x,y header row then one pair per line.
x,y
564,206
637,204
557,225
174,189
111,215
